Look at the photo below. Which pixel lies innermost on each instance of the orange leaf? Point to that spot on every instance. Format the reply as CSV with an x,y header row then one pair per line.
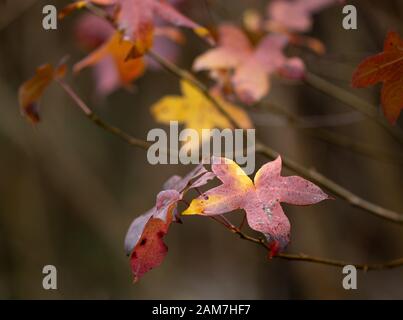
x,y
386,67
32,90
117,49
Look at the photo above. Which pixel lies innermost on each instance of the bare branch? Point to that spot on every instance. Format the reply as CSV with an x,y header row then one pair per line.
x,y
99,122
336,139
355,102
306,258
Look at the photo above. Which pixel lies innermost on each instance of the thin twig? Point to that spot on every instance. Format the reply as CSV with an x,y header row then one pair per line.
x,y
102,14
99,122
226,220
306,258
336,263
361,148
353,101
220,221
337,139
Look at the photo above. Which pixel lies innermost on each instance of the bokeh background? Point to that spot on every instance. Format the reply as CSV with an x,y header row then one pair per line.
x,y
68,190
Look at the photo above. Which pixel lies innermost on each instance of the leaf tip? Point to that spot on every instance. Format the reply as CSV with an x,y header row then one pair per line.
x,y
206,34
189,212
31,112
195,208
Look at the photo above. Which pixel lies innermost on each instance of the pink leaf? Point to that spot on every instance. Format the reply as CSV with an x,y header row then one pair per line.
x,y
233,48
137,19
271,186
296,15
261,199
252,67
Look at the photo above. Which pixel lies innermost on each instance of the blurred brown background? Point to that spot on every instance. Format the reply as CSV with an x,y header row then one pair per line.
x,y
68,190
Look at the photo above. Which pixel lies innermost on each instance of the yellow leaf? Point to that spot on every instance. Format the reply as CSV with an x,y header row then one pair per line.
x,y
197,112
240,185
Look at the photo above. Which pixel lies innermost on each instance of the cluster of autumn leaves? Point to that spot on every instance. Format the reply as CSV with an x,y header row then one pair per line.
x,y
241,63
260,199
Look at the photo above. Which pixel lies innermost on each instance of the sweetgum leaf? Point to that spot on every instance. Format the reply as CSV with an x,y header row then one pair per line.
x,y
150,249
260,199
197,112
251,67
